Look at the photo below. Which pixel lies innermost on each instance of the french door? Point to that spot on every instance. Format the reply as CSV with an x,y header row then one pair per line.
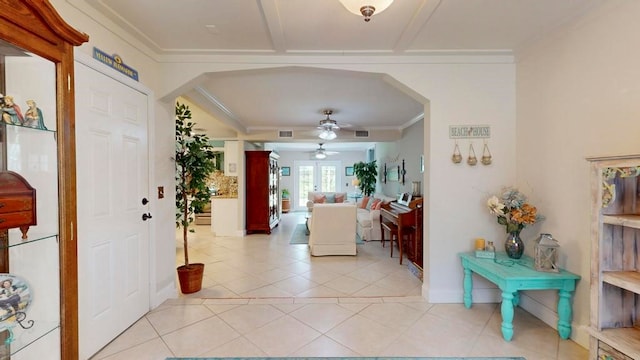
x,y
315,176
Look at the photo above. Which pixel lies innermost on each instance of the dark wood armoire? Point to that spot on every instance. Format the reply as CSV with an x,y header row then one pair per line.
x,y
263,187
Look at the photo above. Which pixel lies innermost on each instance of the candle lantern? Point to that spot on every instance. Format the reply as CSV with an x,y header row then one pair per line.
x,y
546,254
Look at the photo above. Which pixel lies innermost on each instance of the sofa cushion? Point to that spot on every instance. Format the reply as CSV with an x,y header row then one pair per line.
x,y
330,199
363,204
363,217
319,198
340,198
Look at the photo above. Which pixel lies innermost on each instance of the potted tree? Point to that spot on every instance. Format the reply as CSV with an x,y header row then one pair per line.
x,y
366,174
194,159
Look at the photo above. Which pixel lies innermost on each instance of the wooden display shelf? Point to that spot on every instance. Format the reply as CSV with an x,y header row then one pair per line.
x,y
628,280
625,340
632,221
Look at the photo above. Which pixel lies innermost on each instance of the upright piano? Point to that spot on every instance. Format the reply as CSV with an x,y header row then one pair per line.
x,y
408,219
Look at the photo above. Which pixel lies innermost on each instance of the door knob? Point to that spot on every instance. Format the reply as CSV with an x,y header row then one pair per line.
x,y
145,201
146,216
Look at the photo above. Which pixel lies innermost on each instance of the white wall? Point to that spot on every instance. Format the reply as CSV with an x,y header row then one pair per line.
x,y
409,149
578,95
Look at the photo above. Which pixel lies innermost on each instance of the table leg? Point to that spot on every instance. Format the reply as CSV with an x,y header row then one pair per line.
x,y
516,298
564,313
468,286
507,315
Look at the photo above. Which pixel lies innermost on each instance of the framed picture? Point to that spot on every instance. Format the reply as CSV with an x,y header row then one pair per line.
x,y
286,171
348,171
404,198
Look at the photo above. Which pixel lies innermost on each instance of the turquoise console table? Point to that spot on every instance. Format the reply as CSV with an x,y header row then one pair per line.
x,y
512,276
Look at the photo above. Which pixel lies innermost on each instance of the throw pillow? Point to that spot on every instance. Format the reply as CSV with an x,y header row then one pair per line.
x,y
330,199
318,198
339,198
376,204
369,203
363,204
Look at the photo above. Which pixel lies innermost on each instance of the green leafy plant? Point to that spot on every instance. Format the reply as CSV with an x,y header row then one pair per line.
x,y
194,164
285,193
366,172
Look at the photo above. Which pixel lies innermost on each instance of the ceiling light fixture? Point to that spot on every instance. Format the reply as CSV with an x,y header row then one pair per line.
x,y
328,127
320,155
327,134
366,8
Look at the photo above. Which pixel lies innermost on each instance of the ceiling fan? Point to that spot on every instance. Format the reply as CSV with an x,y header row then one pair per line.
x,y
328,127
321,153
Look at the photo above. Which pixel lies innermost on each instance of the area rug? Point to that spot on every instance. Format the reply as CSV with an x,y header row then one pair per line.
x,y
299,236
352,358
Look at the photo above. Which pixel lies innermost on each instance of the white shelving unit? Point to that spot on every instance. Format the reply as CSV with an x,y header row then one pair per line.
x,y
615,258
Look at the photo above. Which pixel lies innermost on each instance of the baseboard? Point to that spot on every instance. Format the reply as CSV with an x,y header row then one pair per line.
x,y
170,291
480,296
579,333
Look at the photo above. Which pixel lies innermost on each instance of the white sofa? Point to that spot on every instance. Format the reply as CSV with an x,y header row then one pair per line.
x,y
333,229
368,221
312,196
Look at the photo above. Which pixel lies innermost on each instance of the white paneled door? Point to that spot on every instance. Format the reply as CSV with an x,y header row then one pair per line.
x,y
112,181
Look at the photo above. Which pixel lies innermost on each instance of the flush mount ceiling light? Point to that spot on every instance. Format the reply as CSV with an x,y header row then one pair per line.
x,y
328,127
366,8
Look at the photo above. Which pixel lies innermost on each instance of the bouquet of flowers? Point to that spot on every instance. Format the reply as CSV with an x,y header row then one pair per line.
x,y
513,211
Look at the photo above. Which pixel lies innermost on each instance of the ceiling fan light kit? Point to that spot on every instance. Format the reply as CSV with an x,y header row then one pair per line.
x,y
321,155
327,135
366,8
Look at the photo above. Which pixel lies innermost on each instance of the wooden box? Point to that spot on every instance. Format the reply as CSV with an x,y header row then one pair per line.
x,y
17,203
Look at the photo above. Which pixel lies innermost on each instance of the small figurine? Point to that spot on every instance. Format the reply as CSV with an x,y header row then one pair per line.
x,y
11,113
33,116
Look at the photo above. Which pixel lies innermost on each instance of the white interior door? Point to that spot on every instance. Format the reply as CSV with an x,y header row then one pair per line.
x,y
112,181
315,176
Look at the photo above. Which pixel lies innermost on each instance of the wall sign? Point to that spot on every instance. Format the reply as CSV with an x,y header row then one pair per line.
x,y
469,131
114,61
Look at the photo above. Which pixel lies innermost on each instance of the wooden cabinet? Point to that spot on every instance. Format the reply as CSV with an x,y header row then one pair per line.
x,y
262,191
37,143
615,262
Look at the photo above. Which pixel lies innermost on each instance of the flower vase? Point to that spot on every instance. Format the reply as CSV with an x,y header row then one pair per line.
x,y
514,245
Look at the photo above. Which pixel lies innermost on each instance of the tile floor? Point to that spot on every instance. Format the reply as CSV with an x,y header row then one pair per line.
x,y
264,297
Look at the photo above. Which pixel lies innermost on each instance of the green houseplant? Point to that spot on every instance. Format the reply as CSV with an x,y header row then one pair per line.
x,y
366,172
285,193
194,159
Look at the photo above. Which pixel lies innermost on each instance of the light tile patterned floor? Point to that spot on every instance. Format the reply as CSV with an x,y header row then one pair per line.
x,y
264,297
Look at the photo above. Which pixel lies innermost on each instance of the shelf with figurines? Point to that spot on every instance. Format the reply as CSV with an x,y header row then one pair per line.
x,y
12,114
23,320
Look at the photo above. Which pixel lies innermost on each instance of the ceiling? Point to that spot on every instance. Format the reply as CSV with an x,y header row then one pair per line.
x,y
294,98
